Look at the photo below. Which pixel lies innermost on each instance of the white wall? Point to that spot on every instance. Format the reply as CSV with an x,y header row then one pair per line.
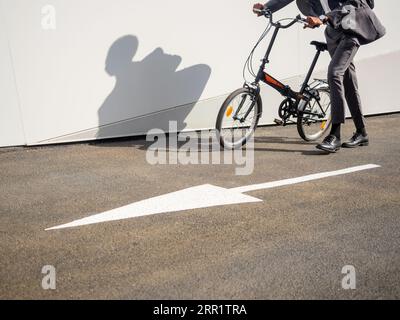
x,y
78,82
11,128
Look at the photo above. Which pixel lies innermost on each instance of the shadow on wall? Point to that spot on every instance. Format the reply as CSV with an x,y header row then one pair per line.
x,y
148,93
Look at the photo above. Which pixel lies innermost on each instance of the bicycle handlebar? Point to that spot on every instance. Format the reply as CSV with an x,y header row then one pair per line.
x,y
268,14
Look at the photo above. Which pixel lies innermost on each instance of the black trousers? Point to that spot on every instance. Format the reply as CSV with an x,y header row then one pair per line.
x,y
342,77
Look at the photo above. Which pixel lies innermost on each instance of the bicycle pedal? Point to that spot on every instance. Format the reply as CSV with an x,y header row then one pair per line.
x,y
279,122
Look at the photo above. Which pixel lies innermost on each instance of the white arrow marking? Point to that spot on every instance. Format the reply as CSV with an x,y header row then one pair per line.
x,y
202,196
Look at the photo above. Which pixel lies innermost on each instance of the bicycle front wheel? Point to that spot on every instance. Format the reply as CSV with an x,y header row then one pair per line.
x,y
238,118
314,117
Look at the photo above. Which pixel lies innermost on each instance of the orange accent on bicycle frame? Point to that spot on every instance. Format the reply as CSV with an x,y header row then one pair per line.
x,y
273,82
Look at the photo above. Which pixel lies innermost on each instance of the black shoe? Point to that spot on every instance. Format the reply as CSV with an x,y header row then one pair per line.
x,y
356,140
330,144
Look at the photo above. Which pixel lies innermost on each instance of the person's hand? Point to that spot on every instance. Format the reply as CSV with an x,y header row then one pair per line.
x,y
313,22
256,7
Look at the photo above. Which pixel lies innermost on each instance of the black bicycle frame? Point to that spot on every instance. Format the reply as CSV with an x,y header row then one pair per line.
x,y
263,76
276,84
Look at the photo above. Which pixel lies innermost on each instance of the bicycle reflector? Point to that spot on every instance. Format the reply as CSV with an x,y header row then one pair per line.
x,y
229,111
323,124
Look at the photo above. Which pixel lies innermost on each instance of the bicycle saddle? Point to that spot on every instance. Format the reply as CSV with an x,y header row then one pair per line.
x,y
320,46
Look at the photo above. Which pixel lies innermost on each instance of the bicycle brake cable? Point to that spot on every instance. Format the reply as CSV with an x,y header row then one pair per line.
x,y
249,62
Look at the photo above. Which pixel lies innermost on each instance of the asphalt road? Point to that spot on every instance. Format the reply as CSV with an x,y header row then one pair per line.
x,y
293,244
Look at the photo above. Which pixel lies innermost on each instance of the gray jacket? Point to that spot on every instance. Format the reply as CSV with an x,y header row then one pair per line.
x,y
367,29
307,7
314,8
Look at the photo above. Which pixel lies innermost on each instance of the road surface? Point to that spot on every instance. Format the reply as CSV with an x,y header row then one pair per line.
x,y
292,244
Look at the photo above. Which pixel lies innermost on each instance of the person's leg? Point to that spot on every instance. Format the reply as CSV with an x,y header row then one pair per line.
x,y
360,137
342,58
353,98
342,53
333,39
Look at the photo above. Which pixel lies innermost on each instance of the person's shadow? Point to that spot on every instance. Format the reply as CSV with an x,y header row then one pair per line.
x,y
147,93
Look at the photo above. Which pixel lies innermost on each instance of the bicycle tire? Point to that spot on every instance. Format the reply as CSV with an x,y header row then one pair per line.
x,y
303,118
223,113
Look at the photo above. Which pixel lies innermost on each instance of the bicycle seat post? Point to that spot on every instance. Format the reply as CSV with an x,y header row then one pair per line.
x,y
320,48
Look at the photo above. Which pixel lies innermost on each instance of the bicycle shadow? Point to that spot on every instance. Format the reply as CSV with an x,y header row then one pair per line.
x,y
280,139
149,93
303,152
141,143
287,141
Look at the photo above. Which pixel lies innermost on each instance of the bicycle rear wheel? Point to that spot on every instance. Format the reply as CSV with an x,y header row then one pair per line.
x,y
238,118
314,116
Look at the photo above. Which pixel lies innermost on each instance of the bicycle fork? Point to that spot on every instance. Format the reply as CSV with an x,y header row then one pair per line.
x,y
254,98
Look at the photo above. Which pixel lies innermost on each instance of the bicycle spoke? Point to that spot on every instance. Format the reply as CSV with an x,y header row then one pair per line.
x,y
238,126
316,120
